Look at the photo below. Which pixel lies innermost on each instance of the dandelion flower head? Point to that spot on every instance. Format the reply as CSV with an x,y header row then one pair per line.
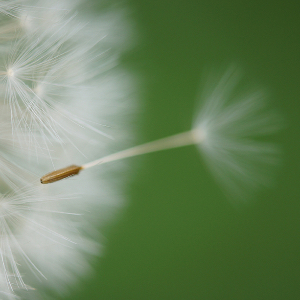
x,y
62,93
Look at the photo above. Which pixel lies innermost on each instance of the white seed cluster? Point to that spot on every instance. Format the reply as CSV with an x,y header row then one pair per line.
x,y
62,93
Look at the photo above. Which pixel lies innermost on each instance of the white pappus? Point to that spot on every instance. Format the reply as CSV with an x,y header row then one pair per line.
x,y
59,78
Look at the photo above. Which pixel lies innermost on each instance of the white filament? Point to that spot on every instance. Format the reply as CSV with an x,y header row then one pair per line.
x,y
191,137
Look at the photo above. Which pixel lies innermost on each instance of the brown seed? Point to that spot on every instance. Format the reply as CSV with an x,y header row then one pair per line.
x,y
61,174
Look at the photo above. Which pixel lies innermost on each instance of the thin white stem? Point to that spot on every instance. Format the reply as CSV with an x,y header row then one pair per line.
x,y
194,136
191,137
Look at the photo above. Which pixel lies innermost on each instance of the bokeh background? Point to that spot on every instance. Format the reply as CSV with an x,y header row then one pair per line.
x,y
178,237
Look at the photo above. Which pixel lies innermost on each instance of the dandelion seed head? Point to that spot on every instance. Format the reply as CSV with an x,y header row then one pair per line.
x,y
40,233
42,80
58,78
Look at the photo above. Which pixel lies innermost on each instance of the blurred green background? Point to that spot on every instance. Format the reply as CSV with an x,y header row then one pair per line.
x,y
179,237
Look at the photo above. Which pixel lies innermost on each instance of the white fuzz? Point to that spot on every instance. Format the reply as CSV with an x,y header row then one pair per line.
x,y
44,73
59,78
10,7
29,17
12,174
236,128
36,233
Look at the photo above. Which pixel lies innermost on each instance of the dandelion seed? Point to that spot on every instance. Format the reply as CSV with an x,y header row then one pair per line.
x,y
227,131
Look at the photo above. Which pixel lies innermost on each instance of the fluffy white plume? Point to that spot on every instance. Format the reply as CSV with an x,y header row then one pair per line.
x,y
236,126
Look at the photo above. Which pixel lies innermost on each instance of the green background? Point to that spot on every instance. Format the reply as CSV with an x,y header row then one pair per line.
x,y
179,237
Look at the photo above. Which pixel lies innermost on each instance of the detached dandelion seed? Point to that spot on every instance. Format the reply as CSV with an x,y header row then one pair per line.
x,y
226,130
